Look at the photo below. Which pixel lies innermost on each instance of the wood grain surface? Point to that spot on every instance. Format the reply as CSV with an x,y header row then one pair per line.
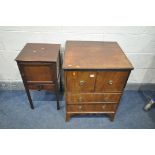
x,y
95,55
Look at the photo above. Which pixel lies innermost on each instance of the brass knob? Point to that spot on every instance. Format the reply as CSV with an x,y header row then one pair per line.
x,y
82,83
79,107
40,87
110,82
80,99
103,107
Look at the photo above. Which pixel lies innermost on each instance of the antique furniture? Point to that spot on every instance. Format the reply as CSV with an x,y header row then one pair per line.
x,y
95,76
39,66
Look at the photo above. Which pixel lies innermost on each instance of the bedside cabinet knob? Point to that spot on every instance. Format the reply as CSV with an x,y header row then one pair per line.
x,y
110,82
40,87
82,83
79,107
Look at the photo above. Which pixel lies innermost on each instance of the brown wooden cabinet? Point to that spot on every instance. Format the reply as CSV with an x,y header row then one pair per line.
x,y
95,76
39,65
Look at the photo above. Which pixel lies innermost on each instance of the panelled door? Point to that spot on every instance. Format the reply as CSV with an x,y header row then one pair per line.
x,y
78,81
38,72
111,81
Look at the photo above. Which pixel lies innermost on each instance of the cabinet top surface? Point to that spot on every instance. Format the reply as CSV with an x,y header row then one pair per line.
x,y
95,55
39,52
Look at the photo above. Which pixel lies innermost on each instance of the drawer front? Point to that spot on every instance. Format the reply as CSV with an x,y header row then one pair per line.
x,y
82,98
40,86
111,81
80,81
38,72
92,108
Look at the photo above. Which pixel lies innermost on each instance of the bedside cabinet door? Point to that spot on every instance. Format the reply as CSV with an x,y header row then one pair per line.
x,y
111,81
38,72
80,81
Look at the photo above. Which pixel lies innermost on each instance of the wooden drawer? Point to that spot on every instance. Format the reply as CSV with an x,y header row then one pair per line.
x,y
111,81
41,86
93,97
41,72
92,108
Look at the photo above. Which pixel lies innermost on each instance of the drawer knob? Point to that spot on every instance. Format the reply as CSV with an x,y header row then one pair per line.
x,y
110,82
80,99
40,87
79,107
82,83
103,107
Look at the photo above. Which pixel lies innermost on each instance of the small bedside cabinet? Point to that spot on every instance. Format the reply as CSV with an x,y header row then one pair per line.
x,y
95,76
39,66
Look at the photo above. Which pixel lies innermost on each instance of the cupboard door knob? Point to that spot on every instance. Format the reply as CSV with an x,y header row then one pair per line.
x,y
82,83
79,107
110,82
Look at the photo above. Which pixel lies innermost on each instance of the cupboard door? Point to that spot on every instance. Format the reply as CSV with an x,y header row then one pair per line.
x,y
38,73
80,81
86,81
111,81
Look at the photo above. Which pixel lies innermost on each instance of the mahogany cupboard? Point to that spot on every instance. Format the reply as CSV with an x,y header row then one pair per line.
x,y
95,76
39,66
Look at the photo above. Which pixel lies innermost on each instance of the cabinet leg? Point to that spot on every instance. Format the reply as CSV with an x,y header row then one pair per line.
x,y
68,117
60,71
58,106
112,116
29,98
61,85
57,99
57,96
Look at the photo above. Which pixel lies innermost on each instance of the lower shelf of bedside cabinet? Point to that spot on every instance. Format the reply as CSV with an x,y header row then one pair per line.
x,y
91,108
